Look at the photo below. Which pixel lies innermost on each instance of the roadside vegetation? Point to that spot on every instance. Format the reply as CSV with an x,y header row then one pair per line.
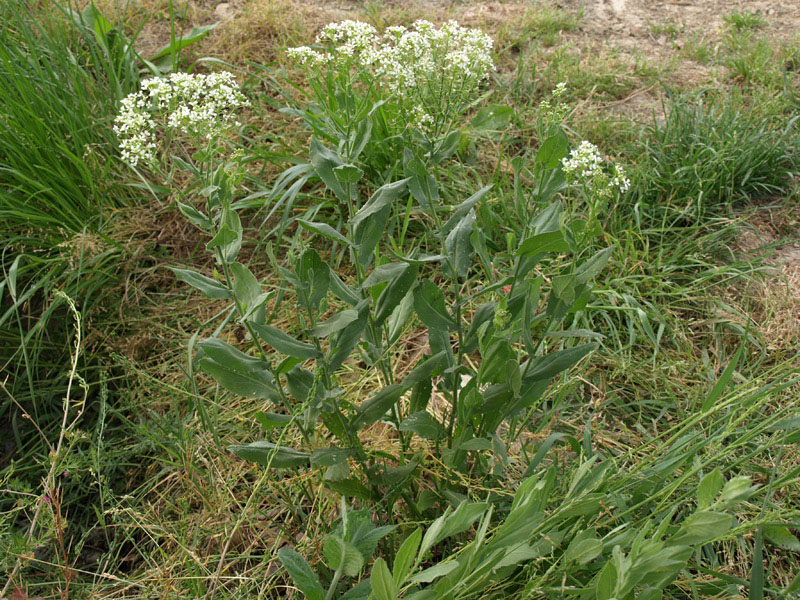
x,y
368,303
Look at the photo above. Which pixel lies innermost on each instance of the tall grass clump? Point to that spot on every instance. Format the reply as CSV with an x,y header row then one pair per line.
x,y
59,176
705,154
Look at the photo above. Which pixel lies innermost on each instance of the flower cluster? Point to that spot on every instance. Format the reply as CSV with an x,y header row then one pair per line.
x,y
585,166
553,110
195,105
430,71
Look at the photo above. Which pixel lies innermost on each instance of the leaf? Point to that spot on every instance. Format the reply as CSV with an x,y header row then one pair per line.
x,y
377,406
435,572
382,583
781,536
285,343
384,273
350,488
606,582
551,241
589,269
463,209
341,556
324,161
492,119
757,572
270,455
327,457
197,218
424,425
335,323
702,527
430,306
552,150
549,365
347,339
383,197
404,559
237,371
341,290
195,35
210,288
348,173
301,574
272,420
710,486
459,245
422,184
325,230
314,275
460,519
722,382
583,548
245,285
425,370
394,293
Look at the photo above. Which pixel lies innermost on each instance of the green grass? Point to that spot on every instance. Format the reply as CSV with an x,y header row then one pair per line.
x,y
689,376
710,152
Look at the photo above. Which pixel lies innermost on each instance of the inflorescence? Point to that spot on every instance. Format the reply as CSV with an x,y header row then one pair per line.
x,y
201,106
434,72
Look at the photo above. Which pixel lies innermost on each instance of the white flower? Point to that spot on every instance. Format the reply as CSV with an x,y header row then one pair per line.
x,y
197,105
583,162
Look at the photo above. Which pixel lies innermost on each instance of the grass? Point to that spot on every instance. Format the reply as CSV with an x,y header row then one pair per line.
x,y
697,369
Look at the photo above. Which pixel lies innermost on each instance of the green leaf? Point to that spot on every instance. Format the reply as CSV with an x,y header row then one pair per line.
x,y
592,267
315,276
492,119
430,306
325,230
781,536
210,288
424,425
606,582
722,382
302,575
404,559
348,173
463,209
549,365
757,571
435,572
197,218
422,184
710,486
377,406
195,35
394,293
701,528
583,548
245,285
341,556
551,241
383,197
384,273
336,323
426,370
460,519
285,343
269,420
270,455
347,339
382,583
237,371
350,488
459,245
324,162
552,150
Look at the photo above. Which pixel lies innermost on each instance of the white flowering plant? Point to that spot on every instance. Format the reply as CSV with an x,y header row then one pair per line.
x,y
199,108
411,84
